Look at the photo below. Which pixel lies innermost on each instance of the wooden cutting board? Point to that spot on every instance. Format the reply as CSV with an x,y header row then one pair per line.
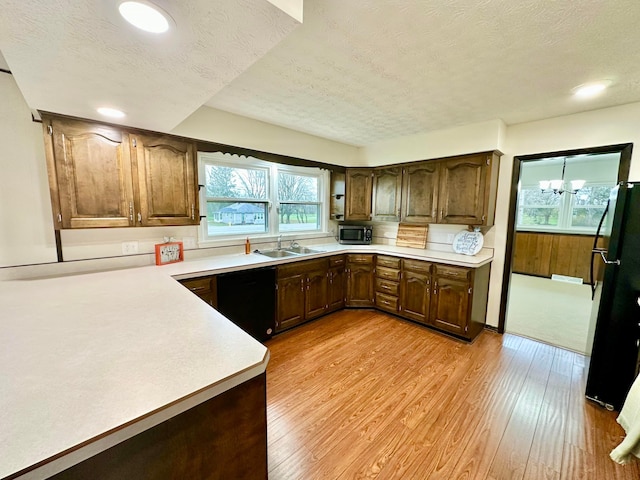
x,y
410,235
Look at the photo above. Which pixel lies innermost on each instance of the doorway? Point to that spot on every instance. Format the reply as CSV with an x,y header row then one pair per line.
x,y
546,293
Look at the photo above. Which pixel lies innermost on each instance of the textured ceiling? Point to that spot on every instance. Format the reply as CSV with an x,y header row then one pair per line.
x,y
356,71
369,70
72,56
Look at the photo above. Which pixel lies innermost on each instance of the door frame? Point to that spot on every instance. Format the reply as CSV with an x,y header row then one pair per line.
x,y
625,150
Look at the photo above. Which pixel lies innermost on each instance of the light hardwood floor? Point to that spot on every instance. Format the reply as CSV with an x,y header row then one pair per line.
x,y
360,394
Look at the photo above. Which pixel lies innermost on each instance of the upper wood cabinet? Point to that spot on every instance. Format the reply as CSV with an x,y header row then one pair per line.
x,y
167,181
358,194
107,176
420,183
90,174
387,187
468,187
458,190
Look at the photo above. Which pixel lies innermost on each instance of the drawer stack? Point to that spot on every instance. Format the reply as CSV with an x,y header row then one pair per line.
x,y
387,283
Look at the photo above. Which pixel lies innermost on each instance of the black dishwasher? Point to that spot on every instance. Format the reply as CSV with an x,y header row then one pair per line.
x,y
248,299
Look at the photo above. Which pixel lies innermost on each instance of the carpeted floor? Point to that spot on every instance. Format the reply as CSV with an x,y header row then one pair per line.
x,y
554,312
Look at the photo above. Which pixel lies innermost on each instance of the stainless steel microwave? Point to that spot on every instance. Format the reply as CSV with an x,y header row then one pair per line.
x,y
355,234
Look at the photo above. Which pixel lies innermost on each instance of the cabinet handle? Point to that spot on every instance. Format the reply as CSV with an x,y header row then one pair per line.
x,y
139,217
193,212
130,211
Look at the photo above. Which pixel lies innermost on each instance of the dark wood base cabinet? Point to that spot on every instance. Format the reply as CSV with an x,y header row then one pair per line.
x,y
222,438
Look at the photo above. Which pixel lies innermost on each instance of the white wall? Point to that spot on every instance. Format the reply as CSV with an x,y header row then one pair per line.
x,y
26,224
221,127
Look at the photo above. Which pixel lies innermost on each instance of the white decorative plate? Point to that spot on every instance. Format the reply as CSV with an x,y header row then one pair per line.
x,y
468,243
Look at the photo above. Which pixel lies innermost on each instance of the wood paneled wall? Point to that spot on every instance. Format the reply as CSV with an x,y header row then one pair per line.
x,y
543,254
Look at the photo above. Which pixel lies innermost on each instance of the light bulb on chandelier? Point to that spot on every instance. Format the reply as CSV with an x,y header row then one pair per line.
x,y
557,186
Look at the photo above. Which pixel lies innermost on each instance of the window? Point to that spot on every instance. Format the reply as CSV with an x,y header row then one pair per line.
x,y
247,196
299,198
550,212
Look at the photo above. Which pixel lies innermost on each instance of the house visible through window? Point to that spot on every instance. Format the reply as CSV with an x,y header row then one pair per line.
x,y
249,196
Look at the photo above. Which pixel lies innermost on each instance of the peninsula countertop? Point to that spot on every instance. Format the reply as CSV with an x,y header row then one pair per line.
x,y
89,360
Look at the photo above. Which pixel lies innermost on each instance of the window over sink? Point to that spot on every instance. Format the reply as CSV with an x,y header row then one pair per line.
x,y
249,197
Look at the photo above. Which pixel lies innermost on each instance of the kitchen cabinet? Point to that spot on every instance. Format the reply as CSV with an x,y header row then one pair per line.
x,y
459,299
302,292
467,192
90,174
420,182
109,176
358,193
415,290
337,284
167,181
387,277
360,291
387,187
204,287
458,190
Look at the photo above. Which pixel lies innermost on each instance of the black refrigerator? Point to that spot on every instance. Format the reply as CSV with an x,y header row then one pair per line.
x,y
615,355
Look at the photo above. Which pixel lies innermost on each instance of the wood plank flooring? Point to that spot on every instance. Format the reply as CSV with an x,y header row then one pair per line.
x,y
360,394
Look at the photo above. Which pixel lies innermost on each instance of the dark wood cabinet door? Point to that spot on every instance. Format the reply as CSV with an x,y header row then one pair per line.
x,y
462,190
358,194
360,285
420,192
387,187
336,288
317,292
167,181
415,296
450,305
93,179
290,304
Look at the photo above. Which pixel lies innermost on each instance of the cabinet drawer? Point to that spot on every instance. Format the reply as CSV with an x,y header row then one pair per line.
x,y
198,285
453,272
386,302
360,258
386,286
388,273
416,266
337,261
385,261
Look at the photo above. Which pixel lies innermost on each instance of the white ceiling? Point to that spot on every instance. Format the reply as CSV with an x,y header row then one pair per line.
x,y
354,71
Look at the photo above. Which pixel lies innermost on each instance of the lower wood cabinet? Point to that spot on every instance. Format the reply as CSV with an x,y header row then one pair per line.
x,y
203,287
302,292
359,280
337,283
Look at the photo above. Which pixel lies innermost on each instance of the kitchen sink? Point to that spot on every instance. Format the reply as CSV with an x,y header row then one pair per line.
x,y
301,250
276,253
287,252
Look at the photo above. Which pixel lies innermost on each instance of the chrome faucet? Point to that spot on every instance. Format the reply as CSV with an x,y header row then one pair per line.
x,y
279,247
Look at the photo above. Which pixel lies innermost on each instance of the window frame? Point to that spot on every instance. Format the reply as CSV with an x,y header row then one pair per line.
x,y
565,213
272,201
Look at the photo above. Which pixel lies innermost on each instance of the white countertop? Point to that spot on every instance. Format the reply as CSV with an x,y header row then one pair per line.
x,y
89,360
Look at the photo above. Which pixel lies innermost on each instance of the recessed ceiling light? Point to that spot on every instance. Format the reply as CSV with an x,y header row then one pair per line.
x,y
111,112
145,15
588,90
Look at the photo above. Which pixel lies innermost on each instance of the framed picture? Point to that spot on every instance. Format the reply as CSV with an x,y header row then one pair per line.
x,y
170,252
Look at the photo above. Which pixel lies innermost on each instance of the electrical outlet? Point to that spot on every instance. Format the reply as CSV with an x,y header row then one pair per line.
x,y
129,248
450,237
189,242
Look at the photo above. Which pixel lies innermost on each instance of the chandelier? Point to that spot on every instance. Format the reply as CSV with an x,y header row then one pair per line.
x,y
557,186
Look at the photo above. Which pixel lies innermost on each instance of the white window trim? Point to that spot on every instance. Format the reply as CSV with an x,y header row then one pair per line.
x,y
564,216
230,160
